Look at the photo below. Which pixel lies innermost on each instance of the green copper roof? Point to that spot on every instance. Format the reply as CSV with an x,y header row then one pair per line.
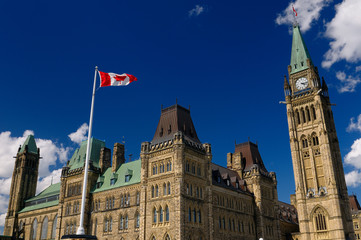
x,y
125,169
52,190
299,54
78,158
40,206
30,142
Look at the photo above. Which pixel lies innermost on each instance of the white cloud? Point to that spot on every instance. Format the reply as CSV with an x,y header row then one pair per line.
x,y
2,219
354,126
308,11
354,156
353,179
348,83
344,30
79,135
196,11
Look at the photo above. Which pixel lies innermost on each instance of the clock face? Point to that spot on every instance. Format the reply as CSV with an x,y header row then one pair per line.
x,y
301,83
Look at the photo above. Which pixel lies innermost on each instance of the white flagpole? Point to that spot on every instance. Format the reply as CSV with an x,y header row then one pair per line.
x,y
80,230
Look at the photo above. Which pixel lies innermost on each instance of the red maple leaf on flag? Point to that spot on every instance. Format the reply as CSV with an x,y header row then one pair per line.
x,y
119,78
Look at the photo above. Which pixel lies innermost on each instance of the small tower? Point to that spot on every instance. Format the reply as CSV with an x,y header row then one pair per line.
x,y
23,182
321,195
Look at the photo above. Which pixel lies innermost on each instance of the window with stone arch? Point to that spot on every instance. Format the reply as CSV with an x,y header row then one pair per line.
x,y
154,215
168,186
167,237
314,116
164,189
304,142
44,228
137,220
303,116
308,115
53,229
34,229
298,120
166,213
320,219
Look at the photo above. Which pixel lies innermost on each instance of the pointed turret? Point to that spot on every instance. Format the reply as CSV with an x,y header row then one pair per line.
x,y
30,145
300,57
286,87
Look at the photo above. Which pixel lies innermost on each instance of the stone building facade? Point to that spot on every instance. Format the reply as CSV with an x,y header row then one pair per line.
x,y
173,191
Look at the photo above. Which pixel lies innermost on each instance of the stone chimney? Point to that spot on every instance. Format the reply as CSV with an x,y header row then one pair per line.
x,y
118,156
104,161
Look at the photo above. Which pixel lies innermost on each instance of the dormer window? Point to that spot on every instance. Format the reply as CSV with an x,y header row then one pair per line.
x,y
112,181
99,184
218,179
295,66
127,178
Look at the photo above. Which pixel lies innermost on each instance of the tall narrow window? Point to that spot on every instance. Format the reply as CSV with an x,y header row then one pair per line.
x,y
189,215
121,222
161,214
156,191
313,112
308,114
164,189
298,120
126,222
53,230
199,216
167,213
110,224
303,116
44,228
138,198
34,229
137,220
194,215
168,188
153,193
154,215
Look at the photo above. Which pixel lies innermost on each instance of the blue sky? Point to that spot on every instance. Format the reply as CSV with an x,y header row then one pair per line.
x,y
226,59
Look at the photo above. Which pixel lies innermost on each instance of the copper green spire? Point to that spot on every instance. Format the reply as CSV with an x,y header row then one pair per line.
x,y
31,145
299,54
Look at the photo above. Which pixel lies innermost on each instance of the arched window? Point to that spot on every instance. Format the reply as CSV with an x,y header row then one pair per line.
x,y
156,191
170,166
95,226
126,222
168,188
167,237
153,193
154,215
304,142
137,220
161,214
121,222
44,228
106,225
298,120
167,166
303,116
138,198
315,140
164,189
220,223
313,112
121,200
110,227
128,201
34,229
199,216
53,229
308,114
320,219
189,215
167,214
194,215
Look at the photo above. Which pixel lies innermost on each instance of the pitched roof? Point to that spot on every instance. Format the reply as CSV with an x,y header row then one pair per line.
x,y
250,152
173,119
52,190
288,213
40,206
130,168
78,158
354,204
224,174
299,54
30,142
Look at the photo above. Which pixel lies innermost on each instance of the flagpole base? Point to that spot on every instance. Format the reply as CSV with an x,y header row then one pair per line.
x,y
79,237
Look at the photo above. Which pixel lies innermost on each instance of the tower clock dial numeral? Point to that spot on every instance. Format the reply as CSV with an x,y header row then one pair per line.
x,y
301,83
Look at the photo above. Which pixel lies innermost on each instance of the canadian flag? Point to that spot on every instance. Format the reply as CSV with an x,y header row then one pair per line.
x,y
294,10
113,79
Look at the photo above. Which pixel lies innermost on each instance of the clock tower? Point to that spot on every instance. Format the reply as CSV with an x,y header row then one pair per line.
x,y
321,196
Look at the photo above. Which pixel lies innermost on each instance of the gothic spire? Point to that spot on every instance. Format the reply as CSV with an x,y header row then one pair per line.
x,y
300,57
